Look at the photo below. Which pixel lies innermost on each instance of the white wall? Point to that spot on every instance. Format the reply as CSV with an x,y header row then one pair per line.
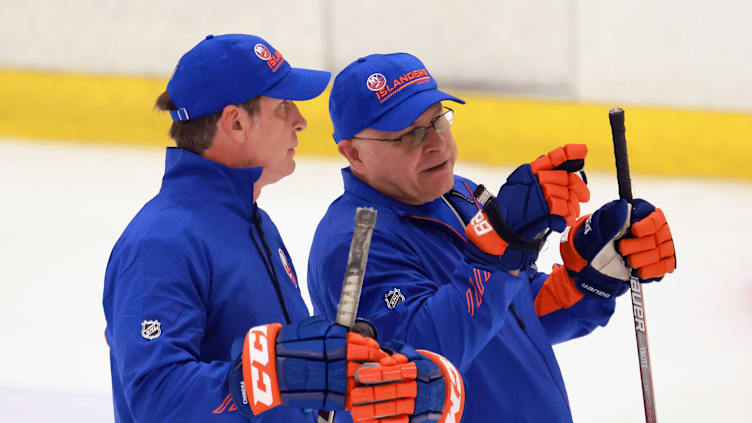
x,y
680,53
145,37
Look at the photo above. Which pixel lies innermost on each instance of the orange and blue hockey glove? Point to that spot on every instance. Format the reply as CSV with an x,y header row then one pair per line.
x,y
407,386
601,250
314,364
301,365
538,198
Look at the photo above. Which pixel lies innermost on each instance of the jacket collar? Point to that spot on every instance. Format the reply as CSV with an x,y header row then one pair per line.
x,y
192,176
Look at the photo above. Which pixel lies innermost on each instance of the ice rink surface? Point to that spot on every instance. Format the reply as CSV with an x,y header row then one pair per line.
x,y
64,206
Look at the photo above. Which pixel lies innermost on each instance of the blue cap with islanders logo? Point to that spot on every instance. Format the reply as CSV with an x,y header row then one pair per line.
x,y
234,68
387,92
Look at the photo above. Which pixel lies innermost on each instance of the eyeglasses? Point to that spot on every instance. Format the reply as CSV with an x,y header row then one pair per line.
x,y
416,135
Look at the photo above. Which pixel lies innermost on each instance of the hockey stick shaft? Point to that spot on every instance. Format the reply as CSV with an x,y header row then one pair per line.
x,y
347,309
618,132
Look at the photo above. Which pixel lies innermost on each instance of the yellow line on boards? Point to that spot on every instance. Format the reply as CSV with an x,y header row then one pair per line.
x,y
81,107
489,129
660,141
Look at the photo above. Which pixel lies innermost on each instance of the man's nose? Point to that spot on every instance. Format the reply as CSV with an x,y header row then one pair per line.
x,y
432,140
298,121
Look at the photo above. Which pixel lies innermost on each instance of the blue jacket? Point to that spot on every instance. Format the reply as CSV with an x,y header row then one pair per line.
x,y
422,287
194,260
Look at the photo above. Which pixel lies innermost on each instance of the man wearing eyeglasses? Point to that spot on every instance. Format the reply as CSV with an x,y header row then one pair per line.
x,y
451,267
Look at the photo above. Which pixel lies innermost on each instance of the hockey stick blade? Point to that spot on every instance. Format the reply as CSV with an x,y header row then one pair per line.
x,y
618,132
347,309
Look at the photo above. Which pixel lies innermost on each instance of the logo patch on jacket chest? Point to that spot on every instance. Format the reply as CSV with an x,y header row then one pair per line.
x,y
393,298
151,329
288,268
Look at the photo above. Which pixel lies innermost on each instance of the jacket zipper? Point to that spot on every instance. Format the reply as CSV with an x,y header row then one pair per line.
x,y
517,317
266,257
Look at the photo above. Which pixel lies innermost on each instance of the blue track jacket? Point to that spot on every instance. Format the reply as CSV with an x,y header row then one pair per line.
x,y
194,260
421,287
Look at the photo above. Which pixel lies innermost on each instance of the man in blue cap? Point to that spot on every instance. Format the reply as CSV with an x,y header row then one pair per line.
x,y
451,266
205,321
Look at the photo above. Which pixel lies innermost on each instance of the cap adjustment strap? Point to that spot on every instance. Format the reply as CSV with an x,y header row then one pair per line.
x,y
180,114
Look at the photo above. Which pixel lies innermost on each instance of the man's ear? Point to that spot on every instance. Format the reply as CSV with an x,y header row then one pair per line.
x,y
234,123
350,151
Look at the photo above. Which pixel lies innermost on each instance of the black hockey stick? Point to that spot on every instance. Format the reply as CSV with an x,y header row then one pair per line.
x,y
347,309
616,117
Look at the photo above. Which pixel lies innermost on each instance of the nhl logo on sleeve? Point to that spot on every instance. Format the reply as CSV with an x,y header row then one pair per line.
x,y
151,329
393,298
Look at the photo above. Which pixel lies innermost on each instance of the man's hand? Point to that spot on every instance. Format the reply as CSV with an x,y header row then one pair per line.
x,y
315,364
560,185
538,198
601,250
408,384
302,365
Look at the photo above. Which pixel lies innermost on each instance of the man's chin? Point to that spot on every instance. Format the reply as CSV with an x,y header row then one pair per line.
x,y
441,187
443,178
289,171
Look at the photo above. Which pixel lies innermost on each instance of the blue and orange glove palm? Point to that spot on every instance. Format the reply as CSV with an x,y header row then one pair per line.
x,y
407,386
313,364
538,198
601,250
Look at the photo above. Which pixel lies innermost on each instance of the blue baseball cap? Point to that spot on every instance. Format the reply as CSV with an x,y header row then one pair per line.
x,y
234,68
387,92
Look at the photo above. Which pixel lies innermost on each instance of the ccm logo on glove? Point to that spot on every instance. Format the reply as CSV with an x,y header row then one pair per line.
x,y
260,369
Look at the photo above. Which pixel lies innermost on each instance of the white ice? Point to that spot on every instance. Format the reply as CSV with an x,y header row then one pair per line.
x,y
62,207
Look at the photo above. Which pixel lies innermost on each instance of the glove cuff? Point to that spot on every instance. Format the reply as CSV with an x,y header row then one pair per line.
x,y
557,292
572,259
454,392
253,379
481,233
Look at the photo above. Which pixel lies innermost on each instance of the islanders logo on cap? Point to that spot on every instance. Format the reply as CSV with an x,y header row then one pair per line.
x,y
376,82
262,52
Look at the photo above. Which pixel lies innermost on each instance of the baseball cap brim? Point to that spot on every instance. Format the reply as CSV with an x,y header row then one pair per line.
x,y
299,84
405,113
